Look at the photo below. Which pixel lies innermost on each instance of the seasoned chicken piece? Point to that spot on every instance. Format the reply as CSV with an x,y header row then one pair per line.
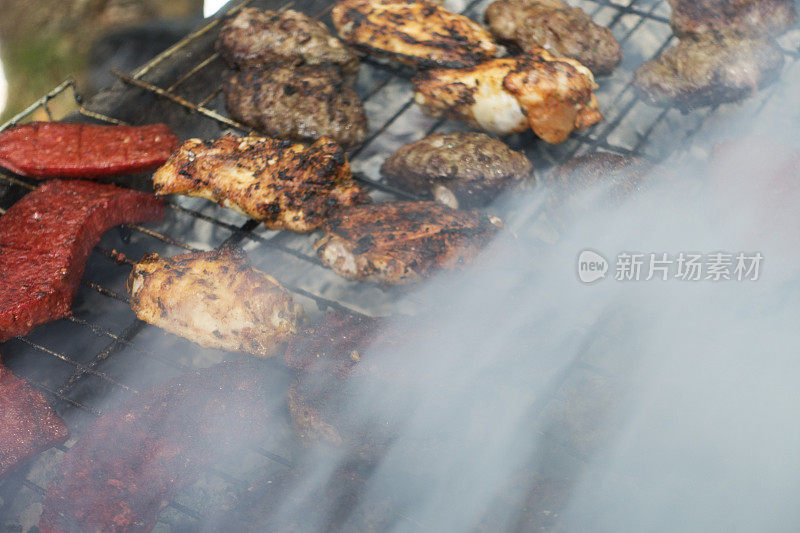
x,y
284,185
216,299
708,69
256,38
298,103
464,169
420,34
552,96
758,17
558,28
402,242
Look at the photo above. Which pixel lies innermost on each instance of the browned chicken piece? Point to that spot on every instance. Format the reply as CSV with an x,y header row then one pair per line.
x,y
299,103
216,299
758,17
256,38
463,169
552,96
285,185
560,29
405,242
421,34
710,68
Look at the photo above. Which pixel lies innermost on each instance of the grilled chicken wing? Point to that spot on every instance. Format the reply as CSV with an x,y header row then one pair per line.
x,y
749,16
299,103
464,169
552,96
558,28
216,299
414,33
285,185
402,242
710,68
256,38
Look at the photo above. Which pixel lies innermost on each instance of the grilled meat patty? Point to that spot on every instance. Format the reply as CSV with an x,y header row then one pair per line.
x,y
465,169
299,103
421,34
45,239
27,424
285,185
403,242
558,28
758,17
256,38
708,69
551,96
616,177
216,299
133,460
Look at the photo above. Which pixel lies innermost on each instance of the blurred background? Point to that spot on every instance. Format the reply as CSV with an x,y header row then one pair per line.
x,y
43,42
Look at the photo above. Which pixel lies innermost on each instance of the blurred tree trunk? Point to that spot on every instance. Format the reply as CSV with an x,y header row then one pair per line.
x,y
42,42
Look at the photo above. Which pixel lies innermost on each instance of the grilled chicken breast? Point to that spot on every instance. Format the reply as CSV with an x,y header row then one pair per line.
x,y
402,242
558,28
464,169
216,299
421,34
709,68
285,185
299,103
552,96
758,17
256,38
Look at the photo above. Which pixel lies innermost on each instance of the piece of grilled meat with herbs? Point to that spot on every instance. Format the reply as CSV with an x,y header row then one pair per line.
x,y
421,34
256,38
710,68
285,185
759,17
216,299
560,29
551,96
298,103
404,242
463,169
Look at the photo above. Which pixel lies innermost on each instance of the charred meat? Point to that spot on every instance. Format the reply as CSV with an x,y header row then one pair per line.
x,y
421,34
465,169
551,96
560,29
45,239
757,17
256,38
132,460
708,69
27,424
74,150
396,243
216,299
284,185
299,103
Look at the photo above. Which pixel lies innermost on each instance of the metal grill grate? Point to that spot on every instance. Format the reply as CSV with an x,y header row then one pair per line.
x,y
30,356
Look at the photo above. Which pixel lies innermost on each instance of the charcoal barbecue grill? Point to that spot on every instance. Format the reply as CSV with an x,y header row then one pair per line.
x,y
85,364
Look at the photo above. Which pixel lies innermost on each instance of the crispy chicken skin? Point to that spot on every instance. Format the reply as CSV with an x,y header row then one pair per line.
x,y
405,242
216,299
758,17
302,103
256,38
421,34
285,185
560,29
710,68
463,169
552,96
